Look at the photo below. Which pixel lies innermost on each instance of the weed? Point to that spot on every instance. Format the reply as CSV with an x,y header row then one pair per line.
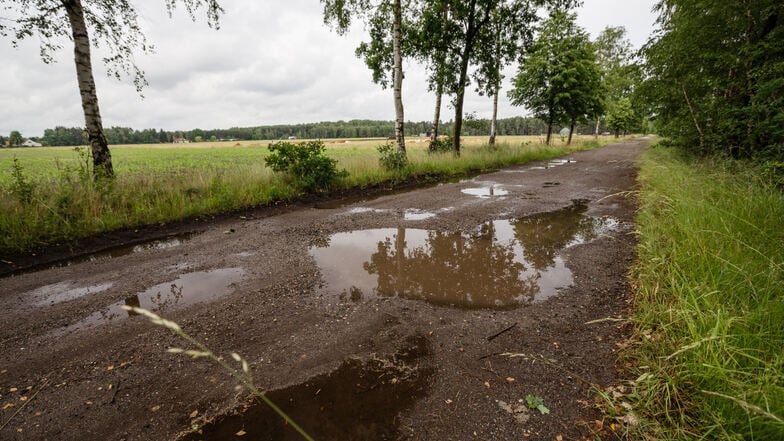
x,y
536,402
21,187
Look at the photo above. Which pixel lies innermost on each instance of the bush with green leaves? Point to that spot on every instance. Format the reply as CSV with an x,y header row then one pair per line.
x,y
442,145
391,159
305,164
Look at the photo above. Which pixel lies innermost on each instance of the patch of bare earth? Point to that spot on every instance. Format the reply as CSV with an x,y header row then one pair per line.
x,y
422,315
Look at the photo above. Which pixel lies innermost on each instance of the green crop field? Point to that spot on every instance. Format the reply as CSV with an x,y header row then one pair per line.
x,y
46,163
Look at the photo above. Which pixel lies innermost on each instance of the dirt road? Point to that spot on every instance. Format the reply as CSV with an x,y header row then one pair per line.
x,y
429,314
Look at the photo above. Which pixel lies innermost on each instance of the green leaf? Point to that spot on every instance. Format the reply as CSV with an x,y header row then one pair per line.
x,y
536,402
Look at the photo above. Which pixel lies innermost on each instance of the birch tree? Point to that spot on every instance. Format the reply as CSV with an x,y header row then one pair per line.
x,y
109,24
385,20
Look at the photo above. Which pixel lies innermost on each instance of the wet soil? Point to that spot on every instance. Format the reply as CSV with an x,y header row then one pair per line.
x,y
426,314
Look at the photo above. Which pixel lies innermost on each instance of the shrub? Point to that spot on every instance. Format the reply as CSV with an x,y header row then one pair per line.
x,y
391,159
305,164
443,145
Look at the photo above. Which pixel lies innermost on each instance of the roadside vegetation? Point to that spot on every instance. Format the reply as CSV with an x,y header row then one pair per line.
x,y
709,305
49,195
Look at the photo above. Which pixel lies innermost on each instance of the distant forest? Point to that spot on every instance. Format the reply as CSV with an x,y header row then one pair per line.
x,y
74,136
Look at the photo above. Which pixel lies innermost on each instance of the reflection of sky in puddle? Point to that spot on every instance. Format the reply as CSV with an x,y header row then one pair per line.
x,y
501,264
63,292
415,215
360,210
186,290
485,192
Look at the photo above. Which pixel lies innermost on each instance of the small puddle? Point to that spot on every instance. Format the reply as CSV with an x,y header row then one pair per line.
x,y
356,402
500,265
188,289
413,214
63,292
485,192
360,210
111,253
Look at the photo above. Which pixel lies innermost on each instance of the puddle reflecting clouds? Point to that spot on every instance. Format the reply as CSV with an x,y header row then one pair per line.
x,y
501,264
413,214
486,192
63,292
185,290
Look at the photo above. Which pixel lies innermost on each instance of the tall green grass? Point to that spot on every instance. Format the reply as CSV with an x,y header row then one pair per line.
x,y
163,184
710,302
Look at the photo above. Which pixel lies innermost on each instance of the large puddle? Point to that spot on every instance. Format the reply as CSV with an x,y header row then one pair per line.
x,y
358,401
188,289
501,265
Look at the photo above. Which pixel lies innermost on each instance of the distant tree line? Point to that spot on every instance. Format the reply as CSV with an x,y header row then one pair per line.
x,y
75,136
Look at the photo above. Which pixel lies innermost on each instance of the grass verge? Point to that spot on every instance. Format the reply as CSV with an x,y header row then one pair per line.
x,y
709,303
48,197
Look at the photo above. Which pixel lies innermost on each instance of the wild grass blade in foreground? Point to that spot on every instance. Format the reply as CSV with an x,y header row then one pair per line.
x,y
243,376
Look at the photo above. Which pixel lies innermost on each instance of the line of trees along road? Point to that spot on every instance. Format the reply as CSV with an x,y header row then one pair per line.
x,y
714,76
462,43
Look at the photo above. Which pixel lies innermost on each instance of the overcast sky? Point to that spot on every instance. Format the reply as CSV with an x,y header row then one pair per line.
x,y
272,62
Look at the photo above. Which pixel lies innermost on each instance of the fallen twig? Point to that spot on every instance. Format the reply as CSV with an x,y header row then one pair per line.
x,y
501,332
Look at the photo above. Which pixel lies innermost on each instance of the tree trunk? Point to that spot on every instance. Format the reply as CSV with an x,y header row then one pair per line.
x,y
493,121
398,76
400,259
102,158
436,117
459,98
571,131
461,84
598,123
549,130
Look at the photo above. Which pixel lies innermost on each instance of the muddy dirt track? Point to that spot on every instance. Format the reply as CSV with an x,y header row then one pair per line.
x,y
425,315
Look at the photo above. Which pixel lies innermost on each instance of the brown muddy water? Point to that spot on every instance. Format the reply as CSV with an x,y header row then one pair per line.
x,y
185,290
358,401
502,264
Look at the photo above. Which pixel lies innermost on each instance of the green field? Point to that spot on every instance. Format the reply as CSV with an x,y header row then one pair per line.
x,y
46,195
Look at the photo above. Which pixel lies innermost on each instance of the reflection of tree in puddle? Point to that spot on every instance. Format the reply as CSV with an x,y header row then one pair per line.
x,y
544,235
473,271
156,302
501,265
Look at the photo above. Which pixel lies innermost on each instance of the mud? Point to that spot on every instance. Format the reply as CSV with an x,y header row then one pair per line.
x,y
438,333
